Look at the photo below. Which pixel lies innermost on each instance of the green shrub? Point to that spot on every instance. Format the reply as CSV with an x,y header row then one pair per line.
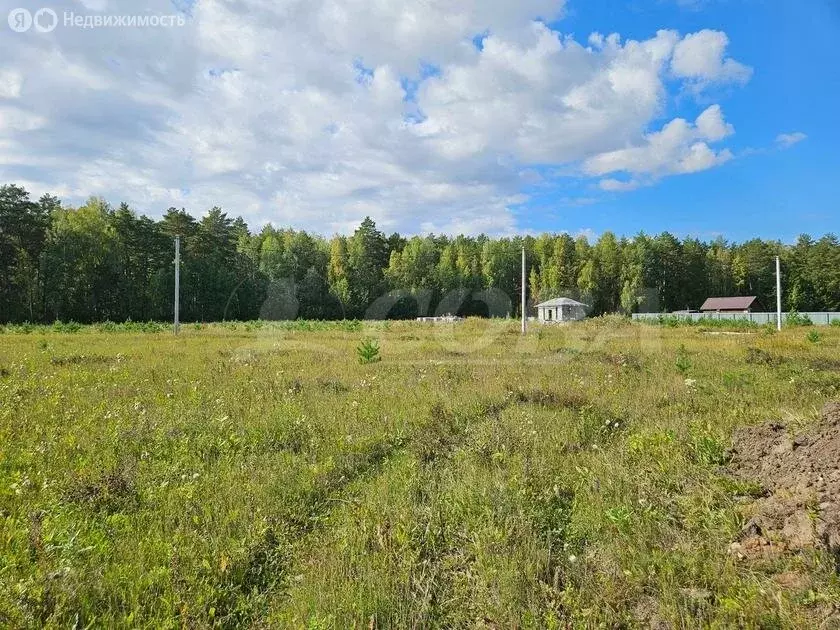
x,y
675,321
794,318
152,327
814,336
69,327
368,352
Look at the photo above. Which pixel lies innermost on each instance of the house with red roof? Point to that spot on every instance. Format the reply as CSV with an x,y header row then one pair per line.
x,y
730,305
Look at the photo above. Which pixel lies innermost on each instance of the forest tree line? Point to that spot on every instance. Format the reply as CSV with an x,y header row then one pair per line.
x,y
98,263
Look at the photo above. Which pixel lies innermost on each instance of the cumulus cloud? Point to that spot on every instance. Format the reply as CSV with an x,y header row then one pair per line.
x,y
787,140
678,148
316,113
544,98
701,57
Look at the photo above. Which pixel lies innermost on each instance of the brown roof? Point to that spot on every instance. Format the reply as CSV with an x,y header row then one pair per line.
x,y
728,303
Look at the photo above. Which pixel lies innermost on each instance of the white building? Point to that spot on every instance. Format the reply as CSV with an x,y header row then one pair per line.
x,y
561,310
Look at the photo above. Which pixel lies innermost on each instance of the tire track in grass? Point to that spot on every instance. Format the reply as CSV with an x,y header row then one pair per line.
x,y
441,557
268,565
439,551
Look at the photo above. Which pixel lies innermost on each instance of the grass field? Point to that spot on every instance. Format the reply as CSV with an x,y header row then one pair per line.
x,y
260,475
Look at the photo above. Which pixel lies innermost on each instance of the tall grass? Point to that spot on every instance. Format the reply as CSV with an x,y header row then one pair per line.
x,y
254,474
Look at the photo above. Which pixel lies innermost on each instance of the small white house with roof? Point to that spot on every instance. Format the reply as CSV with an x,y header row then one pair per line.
x,y
561,310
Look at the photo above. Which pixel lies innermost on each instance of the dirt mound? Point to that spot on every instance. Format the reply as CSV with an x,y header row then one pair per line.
x,y
801,474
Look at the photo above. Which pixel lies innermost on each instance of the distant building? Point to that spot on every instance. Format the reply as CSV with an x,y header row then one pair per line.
x,y
561,310
730,305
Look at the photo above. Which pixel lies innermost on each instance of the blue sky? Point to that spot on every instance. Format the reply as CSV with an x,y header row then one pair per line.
x,y
700,117
771,193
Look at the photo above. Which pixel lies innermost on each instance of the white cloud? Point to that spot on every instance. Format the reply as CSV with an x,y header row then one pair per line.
x,y
11,83
616,185
317,112
678,148
543,98
711,125
701,57
787,140
15,120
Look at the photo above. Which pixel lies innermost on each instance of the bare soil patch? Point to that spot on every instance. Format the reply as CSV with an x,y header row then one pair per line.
x,y
801,474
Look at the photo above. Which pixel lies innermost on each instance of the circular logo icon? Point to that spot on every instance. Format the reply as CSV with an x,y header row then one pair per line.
x,y
20,20
45,20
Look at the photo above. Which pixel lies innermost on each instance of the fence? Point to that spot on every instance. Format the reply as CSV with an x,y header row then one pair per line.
x,y
818,319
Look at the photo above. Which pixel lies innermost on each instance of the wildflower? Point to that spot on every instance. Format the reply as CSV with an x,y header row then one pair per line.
x,y
690,382
572,558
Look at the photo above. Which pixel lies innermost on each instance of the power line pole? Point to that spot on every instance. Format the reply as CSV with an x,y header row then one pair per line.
x,y
177,284
778,293
524,305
